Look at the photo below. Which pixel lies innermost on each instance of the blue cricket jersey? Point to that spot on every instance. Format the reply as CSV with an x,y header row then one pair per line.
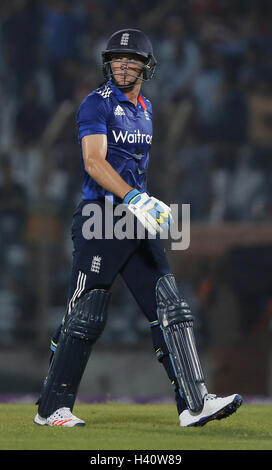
x,y
129,133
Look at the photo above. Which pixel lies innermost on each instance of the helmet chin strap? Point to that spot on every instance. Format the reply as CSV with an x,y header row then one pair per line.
x,y
124,87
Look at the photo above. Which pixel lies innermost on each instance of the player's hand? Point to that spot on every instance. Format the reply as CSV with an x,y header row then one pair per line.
x,y
154,215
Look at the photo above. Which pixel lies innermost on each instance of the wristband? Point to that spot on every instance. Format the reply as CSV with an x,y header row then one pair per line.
x,y
131,195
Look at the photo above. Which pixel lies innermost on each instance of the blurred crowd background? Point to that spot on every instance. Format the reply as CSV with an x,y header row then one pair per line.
x,y
212,143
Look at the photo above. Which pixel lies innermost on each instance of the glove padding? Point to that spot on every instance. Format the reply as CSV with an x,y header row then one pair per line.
x,y
153,214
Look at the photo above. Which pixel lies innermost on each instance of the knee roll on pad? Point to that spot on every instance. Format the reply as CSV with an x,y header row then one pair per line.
x,y
176,321
88,318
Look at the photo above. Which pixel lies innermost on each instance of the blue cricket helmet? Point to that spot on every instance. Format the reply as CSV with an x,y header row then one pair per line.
x,y
130,41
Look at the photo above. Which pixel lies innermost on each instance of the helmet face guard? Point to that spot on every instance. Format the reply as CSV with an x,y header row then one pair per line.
x,y
133,43
146,72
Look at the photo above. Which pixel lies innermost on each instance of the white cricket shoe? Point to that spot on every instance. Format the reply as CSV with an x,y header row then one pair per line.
x,y
214,408
61,417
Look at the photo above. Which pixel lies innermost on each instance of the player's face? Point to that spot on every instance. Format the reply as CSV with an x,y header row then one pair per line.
x,y
126,68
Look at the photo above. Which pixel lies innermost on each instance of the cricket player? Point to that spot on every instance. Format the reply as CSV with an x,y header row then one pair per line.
x,y
115,136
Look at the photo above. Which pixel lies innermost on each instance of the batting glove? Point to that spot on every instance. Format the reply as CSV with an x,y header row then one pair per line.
x,y
154,215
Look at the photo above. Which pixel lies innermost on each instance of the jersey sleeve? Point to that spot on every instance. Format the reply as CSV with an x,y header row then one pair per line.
x,y
92,116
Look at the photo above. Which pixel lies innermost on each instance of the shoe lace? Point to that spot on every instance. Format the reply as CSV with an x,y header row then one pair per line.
x,y
210,396
64,412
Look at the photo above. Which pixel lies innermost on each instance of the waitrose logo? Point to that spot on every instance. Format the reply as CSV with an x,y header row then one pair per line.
x,y
135,137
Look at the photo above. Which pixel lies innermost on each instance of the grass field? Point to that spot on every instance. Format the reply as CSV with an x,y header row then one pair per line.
x,y
142,427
